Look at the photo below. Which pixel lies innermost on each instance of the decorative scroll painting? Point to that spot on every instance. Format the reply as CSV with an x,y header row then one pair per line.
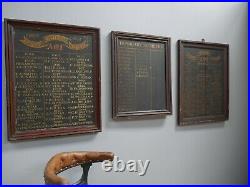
x,y
141,75
53,79
203,82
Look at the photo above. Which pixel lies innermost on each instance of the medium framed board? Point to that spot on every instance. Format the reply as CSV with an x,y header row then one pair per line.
x,y
203,82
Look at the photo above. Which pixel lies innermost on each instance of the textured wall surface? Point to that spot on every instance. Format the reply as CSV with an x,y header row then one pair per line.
x,y
199,154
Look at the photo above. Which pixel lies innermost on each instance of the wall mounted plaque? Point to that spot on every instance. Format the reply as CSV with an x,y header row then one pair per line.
x,y
53,79
140,75
203,82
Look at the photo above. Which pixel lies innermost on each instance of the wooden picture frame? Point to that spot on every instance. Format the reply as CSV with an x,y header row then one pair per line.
x,y
203,82
53,79
141,75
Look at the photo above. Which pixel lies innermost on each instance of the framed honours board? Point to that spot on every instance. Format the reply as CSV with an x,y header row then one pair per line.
x,y
53,79
203,82
140,75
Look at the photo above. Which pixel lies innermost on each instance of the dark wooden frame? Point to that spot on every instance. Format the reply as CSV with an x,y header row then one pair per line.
x,y
10,24
209,118
115,36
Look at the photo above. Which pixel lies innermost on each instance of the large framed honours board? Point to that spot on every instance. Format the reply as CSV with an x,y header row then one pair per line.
x,y
203,82
141,76
53,79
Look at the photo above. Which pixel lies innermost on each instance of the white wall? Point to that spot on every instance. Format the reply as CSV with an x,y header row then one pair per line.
x,y
199,154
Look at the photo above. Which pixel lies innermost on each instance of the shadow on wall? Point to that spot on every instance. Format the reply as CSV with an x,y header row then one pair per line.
x,y
157,121
200,126
196,126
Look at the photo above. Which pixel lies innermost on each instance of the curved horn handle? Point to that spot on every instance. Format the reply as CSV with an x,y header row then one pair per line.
x,y
66,160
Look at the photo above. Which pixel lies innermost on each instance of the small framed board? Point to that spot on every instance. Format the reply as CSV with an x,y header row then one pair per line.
x,y
141,75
